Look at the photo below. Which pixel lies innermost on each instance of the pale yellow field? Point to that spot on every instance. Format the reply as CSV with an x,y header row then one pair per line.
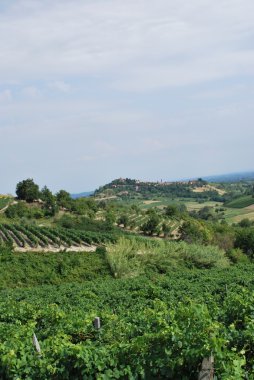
x,y
207,188
250,207
193,206
249,214
150,202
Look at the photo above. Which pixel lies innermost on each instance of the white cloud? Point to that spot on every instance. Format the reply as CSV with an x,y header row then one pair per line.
x,y
60,86
5,96
31,92
147,88
142,43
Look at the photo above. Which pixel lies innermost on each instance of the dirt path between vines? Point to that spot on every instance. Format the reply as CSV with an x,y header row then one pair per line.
x,y
62,248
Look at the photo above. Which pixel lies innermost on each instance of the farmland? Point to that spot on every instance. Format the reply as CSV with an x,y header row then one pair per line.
x,y
241,202
170,279
39,238
152,327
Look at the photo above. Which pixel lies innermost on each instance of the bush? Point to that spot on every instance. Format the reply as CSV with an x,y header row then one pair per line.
x,y
245,223
195,232
202,257
132,257
236,255
21,210
245,241
122,259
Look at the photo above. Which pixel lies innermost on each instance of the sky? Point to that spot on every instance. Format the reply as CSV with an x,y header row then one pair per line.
x,y
92,90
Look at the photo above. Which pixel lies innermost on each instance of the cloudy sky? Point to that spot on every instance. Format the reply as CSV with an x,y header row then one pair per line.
x,y
92,90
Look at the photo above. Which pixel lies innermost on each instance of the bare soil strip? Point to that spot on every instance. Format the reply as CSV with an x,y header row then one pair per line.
x,y
91,248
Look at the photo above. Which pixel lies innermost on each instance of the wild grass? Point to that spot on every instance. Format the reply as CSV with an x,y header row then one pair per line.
x,y
136,256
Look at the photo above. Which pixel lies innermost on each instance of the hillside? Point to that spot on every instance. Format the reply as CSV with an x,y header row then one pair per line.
x,y
241,202
4,201
135,189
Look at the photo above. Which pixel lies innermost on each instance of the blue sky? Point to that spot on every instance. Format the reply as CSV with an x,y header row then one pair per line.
x,y
91,90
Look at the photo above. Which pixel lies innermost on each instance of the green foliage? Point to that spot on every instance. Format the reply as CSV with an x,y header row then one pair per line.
x,y
240,202
63,199
22,210
123,219
165,229
128,189
236,255
245,223
84,206
193,231
85,224
223,235
245,241
202,257
150,227
28,269
133,257
171,210
122,259
160,328
205,213
4,201
110,219
168,305
27,190
49,200
29,235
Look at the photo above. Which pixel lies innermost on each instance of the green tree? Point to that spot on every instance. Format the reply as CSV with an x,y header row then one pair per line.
x,y
245,223
123,219
49,200
151,226
63,199
195,232
171,210
110,219
165,229
27,190
245,241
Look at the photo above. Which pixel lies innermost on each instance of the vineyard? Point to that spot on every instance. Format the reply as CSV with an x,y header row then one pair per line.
x,y
117,291
241,202
156,328
137,220
31,236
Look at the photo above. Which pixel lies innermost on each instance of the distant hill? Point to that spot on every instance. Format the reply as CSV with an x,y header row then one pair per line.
x,y
82,195
130,189
233,177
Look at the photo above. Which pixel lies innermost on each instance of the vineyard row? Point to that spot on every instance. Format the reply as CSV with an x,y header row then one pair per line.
x,y
35,236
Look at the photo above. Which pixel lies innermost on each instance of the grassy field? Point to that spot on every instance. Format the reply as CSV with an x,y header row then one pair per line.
x,y
164,202
233,214
241,202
